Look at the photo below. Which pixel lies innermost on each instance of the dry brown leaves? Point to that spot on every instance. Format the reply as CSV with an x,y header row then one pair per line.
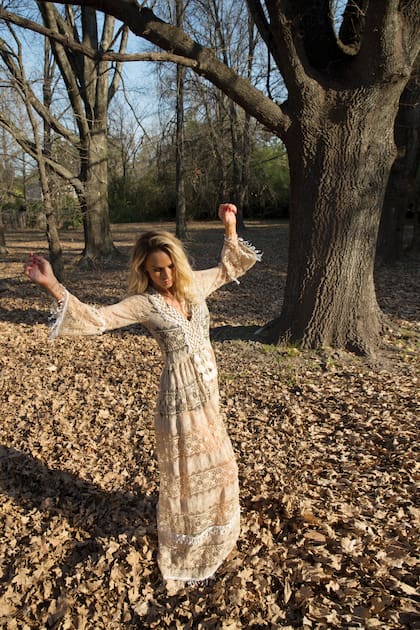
x,y
326,445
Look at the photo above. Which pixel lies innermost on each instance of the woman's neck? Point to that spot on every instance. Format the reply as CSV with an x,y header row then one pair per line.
x,y
167,293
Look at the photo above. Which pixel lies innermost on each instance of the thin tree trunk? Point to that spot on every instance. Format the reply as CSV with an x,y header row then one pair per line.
x,y
5,190
53,238
181,209
3,246
236,162
246,157
246,133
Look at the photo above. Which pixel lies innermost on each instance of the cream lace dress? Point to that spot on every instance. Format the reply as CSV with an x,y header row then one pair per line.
x,y
198,509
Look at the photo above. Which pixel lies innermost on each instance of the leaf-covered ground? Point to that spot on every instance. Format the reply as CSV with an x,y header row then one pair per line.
x,y
326,444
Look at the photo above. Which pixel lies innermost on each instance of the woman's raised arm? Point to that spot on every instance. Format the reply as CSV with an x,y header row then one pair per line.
x,y
74,317
39,270
227,214
237,255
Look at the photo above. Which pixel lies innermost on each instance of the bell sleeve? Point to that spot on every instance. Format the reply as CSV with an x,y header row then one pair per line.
x,y
74,317
237,257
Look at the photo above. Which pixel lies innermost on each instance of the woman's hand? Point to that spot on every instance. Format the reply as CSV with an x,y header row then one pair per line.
x,y
227,214
39,270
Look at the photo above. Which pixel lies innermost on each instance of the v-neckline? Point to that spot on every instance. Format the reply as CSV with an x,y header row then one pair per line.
x,y
179,314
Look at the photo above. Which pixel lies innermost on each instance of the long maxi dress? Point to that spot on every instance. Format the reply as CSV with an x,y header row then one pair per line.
x,y
198,510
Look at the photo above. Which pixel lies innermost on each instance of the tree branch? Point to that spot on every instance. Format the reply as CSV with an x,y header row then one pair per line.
x,y
7,56
116,78
144,23
73,44
260,20
303,43
381,49
50,15
353,24
30,148
315,24
103,70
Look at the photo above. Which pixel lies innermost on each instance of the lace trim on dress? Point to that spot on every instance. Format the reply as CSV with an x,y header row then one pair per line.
x,y
240,248
176,446
232,241
192,328
258,254
203,481
58,313
76,318
217,513
185,397
214,530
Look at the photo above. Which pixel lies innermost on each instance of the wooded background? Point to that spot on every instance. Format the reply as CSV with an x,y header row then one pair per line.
x,y
306,110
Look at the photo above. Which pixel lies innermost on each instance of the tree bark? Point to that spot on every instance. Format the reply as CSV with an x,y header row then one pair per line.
x,y
94,197
330,294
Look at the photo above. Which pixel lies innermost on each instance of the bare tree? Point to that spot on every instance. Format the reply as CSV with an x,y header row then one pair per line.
x,y
226,27
91,83
37,148
7,176
337,125
90,87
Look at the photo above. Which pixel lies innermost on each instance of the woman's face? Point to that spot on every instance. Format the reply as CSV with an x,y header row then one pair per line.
x,y
161,270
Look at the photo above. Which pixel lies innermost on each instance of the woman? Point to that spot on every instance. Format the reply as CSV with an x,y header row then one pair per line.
x,y
198,509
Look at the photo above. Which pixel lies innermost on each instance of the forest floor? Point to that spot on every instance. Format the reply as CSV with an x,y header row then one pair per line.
x,y
326,444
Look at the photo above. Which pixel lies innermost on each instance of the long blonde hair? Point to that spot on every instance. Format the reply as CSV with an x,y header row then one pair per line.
x,y
160,240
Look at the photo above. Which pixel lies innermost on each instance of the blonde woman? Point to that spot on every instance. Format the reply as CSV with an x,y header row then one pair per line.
x,y
198,509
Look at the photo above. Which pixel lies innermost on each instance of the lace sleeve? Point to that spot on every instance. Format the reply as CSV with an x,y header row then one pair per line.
x,y
73,317
237,257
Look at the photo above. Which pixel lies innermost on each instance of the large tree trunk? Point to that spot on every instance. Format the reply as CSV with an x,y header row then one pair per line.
x,y
330,294
94,200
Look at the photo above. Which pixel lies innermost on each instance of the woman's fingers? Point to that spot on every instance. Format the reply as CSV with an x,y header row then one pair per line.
x,y
36,267
226,207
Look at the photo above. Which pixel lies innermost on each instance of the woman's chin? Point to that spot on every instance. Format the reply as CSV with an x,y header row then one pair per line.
x,y
166,286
